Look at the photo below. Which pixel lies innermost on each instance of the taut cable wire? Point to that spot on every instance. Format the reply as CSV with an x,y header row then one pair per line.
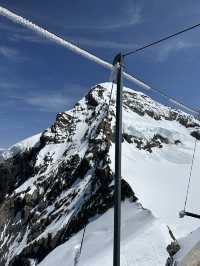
x,y
190,175
162,40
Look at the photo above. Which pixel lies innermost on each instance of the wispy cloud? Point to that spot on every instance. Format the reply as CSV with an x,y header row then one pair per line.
x,y
7,27
51,103
170,48
10,86
18,37
12,54
102,43
18,34
12,33
131,14
47,101
8,52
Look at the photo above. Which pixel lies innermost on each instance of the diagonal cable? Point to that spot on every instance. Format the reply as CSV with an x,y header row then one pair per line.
x,y
162,40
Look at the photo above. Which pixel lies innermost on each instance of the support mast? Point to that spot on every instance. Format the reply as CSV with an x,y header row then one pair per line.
x,y
118,143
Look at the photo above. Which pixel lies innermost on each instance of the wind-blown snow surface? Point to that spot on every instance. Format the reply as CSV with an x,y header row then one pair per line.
x,y
143,241
156,156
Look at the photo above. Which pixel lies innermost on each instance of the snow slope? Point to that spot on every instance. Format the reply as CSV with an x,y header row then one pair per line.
x,y
160,178
187,244
143,241
1,151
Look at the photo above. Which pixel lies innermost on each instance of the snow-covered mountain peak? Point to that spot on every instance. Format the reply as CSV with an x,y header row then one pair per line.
x,y
56,182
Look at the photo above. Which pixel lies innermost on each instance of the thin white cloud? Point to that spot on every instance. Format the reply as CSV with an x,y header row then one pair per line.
x,y
45,102
134,15
170,48
103,43
26,37
5,84
129,16
20,96
52,103
8,52
6,27
18,34
12,54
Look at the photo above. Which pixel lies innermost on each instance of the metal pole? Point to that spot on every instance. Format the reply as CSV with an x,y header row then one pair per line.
x,y
118,142
194,215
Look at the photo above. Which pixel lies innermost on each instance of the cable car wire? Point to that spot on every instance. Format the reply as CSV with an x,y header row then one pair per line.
x,y
161,40
190,175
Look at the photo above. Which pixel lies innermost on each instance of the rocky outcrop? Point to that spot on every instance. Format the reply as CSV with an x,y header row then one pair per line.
x,y
196,134
16,170
78,185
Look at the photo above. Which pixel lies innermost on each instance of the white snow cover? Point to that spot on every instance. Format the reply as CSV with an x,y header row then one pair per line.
x,y
19,147
1,153
187,243
144,241
160,178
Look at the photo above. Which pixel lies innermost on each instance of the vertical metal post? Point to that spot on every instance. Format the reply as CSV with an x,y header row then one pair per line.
x,y
118,142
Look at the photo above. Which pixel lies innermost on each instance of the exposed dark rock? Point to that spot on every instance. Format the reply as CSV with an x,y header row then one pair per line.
x,y
60,131
127,191
16,170
83,168
187,121
170,262
139,143
127,137
154,143
173,248
91,99
153,114
20,261
177,142
161,138
173,115
196,134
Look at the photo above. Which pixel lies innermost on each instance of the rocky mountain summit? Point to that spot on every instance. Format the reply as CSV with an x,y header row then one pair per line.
x,y
55,183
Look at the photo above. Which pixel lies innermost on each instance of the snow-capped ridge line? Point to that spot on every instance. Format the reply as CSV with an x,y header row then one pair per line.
x,y
108,86
21,146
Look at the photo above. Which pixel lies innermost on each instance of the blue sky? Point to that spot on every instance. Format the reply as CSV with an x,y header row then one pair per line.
x,y
39,78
